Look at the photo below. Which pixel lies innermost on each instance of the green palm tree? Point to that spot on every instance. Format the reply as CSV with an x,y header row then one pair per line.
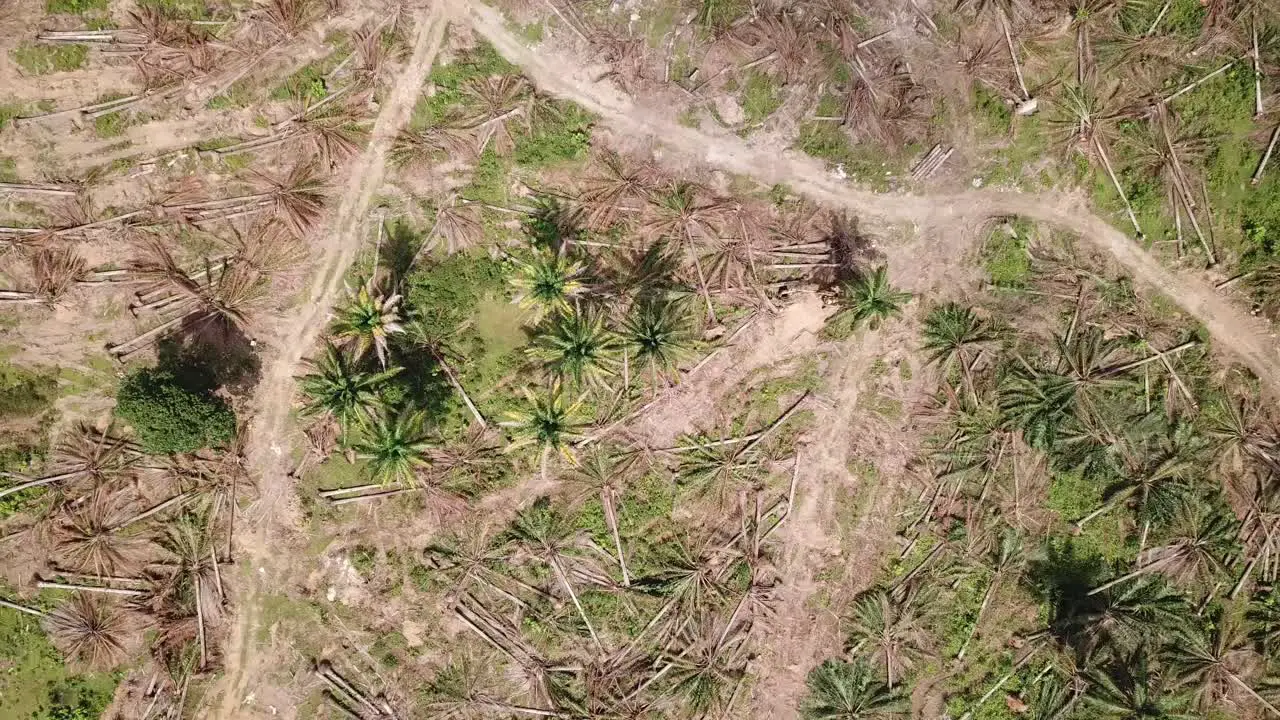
x,y
1121,615
1218,665
951,332
1132,687
367,320
576,346
849,691
396,446
658,333
548,283
550,537
338,388
890,629
548,422
868,299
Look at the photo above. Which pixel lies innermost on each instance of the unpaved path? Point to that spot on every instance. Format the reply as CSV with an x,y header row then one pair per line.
x,y
268,436
1246,337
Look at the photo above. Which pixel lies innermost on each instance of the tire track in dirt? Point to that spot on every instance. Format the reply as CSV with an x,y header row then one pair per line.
x,y
802,631
267,451
1247,338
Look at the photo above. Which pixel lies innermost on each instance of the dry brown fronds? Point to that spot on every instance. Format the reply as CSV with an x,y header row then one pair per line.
x,y
287,18
788,38
424,147
101,456
620,185
458,224
56,269
497,102
298,196
87,541
881,103
90,629
267,248
337,133
628,56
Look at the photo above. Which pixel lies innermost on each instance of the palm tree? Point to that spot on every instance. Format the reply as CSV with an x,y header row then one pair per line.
x,y
576,346
549,422
1218,665
869,299
549,536
1203,535
606,474
336,387
368,320
90,629
88,540
1121,615
547,284
1157,469
892,630
658,332
1130,688
950,333
396,446
848,691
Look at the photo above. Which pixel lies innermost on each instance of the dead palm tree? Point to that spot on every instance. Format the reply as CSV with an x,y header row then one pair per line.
x,y
685,213
786,40
297,197
90,539
458,224
620,185
56,269
1088,119
90,629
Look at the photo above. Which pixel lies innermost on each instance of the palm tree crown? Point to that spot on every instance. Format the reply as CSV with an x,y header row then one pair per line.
x,y
337,387
576,346
848,691
396,447
367,320
547,283
869,299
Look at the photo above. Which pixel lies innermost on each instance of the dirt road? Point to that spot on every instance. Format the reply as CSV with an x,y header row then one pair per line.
x,y
268,449
1245,337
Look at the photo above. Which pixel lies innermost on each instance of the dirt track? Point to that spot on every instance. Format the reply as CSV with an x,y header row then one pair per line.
x,y
268,449
1247,338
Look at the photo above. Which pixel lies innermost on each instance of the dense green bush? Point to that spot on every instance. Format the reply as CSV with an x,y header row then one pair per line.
x,y
169,418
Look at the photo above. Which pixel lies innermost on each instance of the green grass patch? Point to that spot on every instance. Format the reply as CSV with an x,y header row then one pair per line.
x,y
48,59
761,97
1005,258
994,116
1184,18
307,84
239,95
36,684
184,9
74,7
868,163
489,179
8,165
26,392
561,133
481,61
